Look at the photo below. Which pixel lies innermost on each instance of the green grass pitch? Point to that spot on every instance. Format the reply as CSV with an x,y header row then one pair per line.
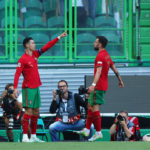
x,y
77,146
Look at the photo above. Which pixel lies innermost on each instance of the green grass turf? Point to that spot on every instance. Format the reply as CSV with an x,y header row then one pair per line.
x,y
77,146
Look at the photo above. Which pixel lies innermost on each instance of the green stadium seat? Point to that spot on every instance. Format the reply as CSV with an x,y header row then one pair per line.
x,y
33,4
2,51
34,21
110,35
115,50
20,50
85,38
50,5
34,12
1,40
40,37
19,22
102,21
56,22
2,4
85,44
90,22
59,48
20,38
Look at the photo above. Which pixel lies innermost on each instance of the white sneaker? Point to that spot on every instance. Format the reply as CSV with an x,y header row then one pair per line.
x,y
95,137
35,139
85,132
25,138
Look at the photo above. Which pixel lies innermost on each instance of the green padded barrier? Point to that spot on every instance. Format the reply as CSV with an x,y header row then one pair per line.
x,y
19,22
145,17
103,21
40,37
145,6
145,14
145,49
144,35
34,21
56,22
145,1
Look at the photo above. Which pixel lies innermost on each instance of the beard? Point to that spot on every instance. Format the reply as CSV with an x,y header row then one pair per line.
x,y
96,48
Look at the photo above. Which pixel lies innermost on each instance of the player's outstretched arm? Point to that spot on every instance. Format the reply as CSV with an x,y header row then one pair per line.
x,y
51,43
114,69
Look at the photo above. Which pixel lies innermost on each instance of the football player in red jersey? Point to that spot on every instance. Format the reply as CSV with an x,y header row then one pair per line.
x,y
27,65
99,86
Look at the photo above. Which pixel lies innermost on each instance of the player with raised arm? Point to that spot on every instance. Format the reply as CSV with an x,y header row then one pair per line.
x,y
28,67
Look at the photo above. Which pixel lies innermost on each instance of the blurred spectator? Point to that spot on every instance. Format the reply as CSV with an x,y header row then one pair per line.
x,y
81,11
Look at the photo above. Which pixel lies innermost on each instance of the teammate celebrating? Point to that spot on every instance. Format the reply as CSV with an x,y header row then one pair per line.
x,y
98,88
27,65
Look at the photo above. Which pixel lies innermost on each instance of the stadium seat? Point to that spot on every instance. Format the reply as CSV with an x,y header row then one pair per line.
x,y
90,22
20,38
41,129
40,37
34,21
2,4
110,35
36,4
34,12
85,38
20,50
85,44
115,50
56,22
102,21
19,22
1,40
50,5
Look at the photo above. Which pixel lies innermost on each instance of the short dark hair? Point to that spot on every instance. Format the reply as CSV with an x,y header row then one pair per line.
x,y
103,40
124,111
8,85
63,81
26,40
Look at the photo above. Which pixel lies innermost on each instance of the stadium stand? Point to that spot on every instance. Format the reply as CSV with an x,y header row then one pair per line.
x,y
34,21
